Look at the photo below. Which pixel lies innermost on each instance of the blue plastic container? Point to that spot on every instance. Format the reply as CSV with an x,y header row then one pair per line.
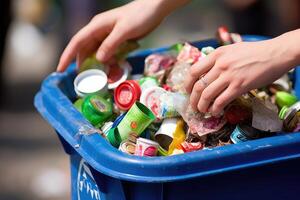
x,y
266,168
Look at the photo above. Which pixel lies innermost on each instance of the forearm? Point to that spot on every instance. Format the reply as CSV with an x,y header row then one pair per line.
x,y
165,7
289,43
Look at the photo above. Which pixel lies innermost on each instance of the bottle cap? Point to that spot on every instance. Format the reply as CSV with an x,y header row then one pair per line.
x,y
90,82
126,94
96,109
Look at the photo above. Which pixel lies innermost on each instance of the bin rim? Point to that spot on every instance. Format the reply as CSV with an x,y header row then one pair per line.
x,y
58,110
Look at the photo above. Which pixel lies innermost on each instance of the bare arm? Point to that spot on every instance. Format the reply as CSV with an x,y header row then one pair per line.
x,y
108,30
235,69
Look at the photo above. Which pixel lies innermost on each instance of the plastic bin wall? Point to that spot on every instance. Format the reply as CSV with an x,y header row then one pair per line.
x,y
266,168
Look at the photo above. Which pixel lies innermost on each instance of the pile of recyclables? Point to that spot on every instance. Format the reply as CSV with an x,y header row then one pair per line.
x,y
149,114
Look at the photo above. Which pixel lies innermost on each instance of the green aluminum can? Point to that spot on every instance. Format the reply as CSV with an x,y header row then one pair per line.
x,y
136,120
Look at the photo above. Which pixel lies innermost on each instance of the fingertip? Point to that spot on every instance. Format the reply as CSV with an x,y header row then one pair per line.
x,y
59,67
101,55
64,60
215,112
201,108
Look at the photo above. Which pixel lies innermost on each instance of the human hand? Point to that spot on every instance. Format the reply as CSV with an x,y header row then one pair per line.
x,y
106,31
233,70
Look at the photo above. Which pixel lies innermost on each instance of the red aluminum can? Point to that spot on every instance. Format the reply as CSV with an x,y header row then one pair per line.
x,y
126,94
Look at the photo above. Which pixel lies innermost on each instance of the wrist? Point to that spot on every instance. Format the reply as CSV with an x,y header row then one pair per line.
x,y
288,44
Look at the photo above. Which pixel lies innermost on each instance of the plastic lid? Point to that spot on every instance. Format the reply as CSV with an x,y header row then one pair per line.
x,y
126,94
90,82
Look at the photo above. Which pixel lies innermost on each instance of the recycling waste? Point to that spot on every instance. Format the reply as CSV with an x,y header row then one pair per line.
x,y
149,114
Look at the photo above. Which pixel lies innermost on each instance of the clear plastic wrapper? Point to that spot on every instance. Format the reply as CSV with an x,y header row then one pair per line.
x,y
177,76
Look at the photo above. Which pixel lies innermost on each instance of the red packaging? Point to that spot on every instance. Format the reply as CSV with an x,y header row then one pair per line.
x,y
189,54
191,146
224,36
146,147
167,87
126,94
236,114
115,74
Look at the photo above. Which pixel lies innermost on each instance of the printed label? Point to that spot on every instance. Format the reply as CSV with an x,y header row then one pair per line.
x,y
97,104
86,185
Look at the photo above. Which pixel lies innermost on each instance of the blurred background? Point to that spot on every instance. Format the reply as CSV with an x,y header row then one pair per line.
x,y
33,33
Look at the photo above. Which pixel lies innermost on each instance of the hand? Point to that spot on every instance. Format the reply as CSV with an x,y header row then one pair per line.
x,y
108,30
233,70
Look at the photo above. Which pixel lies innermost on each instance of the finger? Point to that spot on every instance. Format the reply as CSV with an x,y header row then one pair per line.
x,y
199,68
86,52
224,99
91,32
199,86
210,93
110,44
72,48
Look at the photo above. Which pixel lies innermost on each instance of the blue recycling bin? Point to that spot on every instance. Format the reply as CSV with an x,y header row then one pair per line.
x,y
267,168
